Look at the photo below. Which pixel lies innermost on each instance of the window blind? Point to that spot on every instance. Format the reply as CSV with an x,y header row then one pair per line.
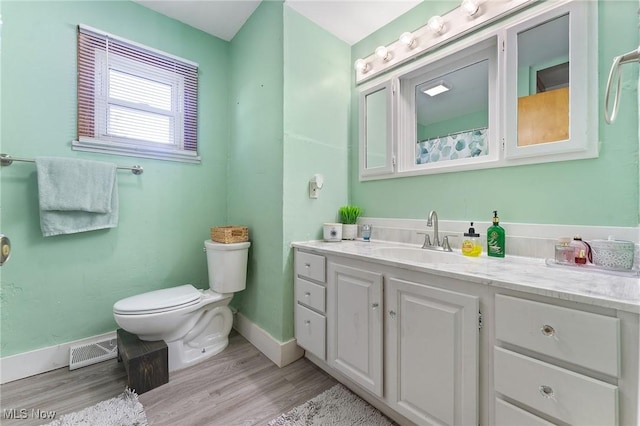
x,y
158,108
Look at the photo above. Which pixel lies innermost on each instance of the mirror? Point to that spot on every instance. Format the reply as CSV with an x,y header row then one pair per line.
x,y
551,85
452,115
521,93
376,130
543,83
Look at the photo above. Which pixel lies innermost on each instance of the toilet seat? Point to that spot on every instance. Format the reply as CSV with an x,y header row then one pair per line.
x,y
157,301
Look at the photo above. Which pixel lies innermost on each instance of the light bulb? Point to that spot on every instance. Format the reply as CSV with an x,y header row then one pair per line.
x,y
408,40
383,53
436,24
361,65
470,6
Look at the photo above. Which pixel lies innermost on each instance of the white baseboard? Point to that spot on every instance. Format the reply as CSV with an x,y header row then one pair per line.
x,y
27,364
281,353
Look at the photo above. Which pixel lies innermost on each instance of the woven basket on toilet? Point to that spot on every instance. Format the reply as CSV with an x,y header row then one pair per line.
x,y
230,234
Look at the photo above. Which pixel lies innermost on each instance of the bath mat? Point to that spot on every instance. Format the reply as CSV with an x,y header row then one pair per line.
x,y
336,406
123,410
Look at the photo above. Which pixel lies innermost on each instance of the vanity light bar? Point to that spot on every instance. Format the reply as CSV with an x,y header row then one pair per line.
x,y
438,31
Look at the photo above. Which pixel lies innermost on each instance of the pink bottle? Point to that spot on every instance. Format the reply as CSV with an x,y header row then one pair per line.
x,y
579,245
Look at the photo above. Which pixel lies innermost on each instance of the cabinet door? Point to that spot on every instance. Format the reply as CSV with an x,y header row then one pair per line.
x,y
432,353
354,319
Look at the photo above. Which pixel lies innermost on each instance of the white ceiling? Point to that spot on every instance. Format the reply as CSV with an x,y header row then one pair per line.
x,y
349,20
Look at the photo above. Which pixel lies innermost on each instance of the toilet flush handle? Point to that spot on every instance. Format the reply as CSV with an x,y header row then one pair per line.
x,y
5,249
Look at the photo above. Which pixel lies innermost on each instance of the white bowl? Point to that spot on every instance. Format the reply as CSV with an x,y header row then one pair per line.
x,y
616,254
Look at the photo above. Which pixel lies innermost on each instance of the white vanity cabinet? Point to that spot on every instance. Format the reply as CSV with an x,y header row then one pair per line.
x,y
309,311
431,353
407,337
555,364
410,340
354,319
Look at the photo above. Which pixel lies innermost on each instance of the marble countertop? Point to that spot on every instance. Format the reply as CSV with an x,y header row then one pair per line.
x,y
529,275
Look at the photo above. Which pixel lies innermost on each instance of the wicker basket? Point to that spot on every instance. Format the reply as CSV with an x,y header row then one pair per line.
x,y
230,234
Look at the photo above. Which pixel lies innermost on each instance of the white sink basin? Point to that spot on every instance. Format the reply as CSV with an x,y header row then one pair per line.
x,y
418,255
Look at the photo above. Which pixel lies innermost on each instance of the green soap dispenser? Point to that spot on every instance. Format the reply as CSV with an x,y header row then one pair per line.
x,y
495,238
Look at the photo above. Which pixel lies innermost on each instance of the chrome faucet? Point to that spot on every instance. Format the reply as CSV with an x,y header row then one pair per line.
x,y
432,220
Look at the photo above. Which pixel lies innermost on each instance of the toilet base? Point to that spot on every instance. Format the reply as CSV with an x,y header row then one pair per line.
x,y
181,357
209,337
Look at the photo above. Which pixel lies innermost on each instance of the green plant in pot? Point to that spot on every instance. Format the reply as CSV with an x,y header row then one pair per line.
x,y
348,217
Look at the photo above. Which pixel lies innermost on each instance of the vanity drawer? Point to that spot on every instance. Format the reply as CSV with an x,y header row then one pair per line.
x,y
310,266
310,294
510,415
310,328
582,338
562,394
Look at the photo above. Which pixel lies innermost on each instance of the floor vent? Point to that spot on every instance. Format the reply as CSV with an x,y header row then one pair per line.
x,y
83,355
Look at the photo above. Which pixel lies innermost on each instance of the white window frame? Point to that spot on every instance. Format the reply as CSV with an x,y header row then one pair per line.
x,y
102,141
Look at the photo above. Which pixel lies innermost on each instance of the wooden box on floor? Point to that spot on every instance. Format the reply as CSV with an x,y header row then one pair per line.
x,y
146,363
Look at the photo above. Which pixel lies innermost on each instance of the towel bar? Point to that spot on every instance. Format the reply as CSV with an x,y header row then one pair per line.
x,y
7,160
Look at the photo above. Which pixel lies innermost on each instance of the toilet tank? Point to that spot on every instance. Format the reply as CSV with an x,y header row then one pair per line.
x,y
227,266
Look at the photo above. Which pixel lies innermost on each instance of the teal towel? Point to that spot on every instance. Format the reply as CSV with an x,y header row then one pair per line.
x,y
76,195
75,185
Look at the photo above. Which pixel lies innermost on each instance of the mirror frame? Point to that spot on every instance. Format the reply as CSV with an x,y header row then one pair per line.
x,y
583,77
583,141
485,49
389,163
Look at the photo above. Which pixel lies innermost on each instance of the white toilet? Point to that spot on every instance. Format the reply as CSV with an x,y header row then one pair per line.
x,y
195,324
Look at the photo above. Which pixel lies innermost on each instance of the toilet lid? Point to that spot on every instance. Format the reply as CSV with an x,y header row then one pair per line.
x,y
159,300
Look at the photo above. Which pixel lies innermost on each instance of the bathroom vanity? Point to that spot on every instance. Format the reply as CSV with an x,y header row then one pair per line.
x,y
436,338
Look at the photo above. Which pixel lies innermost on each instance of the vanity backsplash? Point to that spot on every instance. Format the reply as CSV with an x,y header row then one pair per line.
x,y
522,239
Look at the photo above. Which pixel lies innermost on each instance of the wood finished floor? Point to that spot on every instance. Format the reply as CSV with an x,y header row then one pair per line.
x,y
239,386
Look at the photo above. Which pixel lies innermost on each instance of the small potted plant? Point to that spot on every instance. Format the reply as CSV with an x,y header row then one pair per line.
x,y
348,217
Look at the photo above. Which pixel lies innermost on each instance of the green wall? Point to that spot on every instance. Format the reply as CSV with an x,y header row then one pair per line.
x,y
602,191
60,289
316,135
255,161
290,108
459,124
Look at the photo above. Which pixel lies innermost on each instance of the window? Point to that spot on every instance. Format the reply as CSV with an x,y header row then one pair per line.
x,y
134,100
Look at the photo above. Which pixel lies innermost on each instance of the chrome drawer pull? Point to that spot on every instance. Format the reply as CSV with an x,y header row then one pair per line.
x,y
374,305
307,322
307,265
392,314
547,391
548,331
307,294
